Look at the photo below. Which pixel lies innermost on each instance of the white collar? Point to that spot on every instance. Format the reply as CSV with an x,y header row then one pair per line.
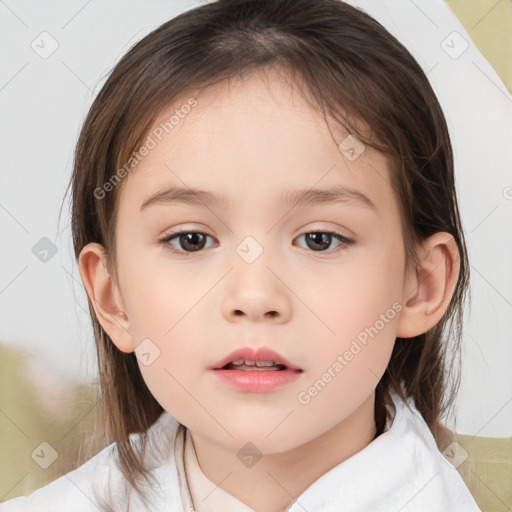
x,y
402,469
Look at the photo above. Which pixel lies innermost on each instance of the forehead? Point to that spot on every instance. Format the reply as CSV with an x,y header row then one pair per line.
x,y
255,138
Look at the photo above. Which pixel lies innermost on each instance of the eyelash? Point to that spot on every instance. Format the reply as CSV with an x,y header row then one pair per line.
x,y
167,239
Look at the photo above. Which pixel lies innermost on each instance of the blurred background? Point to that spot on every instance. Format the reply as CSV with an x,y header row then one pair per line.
x,y
50,414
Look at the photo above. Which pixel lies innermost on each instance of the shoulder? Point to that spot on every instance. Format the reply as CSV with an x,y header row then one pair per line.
x,y
82,489
402,469
433,482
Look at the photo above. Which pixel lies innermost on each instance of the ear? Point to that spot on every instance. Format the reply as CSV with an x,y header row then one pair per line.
x,y
105,296
429,288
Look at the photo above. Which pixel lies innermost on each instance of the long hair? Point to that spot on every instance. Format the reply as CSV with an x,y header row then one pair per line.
x,y
352,70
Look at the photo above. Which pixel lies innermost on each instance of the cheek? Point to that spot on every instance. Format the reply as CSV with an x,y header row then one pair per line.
x,y
367,287
166,308
177,364
161,295
362,347
348,370
363,306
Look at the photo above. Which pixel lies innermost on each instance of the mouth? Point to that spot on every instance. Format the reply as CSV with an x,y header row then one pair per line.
x,y
260,359
260,370
245,365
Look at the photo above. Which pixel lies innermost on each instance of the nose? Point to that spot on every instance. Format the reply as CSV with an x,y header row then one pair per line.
x,y
256,293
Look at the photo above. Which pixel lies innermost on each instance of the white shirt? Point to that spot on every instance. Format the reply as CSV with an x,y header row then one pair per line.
x,y
401,470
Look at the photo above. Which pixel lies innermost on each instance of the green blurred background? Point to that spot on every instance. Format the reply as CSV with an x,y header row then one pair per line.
x,y
36,407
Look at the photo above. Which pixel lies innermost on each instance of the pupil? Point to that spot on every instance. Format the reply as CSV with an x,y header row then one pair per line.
x,y
319,239
189,241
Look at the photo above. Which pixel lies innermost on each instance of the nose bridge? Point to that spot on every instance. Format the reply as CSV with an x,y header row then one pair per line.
x,y
254,290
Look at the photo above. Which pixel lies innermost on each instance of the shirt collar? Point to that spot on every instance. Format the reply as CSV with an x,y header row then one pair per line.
x,y
191,478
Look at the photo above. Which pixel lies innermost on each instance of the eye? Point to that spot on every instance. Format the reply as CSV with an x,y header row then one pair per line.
x,y
194,241
318,241
190,241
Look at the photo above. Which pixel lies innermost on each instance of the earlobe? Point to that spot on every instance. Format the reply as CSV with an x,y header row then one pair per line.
x,y
429,289
105,296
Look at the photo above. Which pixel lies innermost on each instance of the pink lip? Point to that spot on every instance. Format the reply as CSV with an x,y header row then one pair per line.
x,y
256,381
254,354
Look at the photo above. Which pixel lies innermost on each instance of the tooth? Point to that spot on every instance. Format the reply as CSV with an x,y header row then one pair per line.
x,y
250,363
264,363
238,361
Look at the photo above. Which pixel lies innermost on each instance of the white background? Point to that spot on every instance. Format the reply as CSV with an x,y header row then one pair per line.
x,y
43,307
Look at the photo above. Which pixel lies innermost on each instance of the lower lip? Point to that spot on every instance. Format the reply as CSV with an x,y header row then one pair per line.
x,y
257,381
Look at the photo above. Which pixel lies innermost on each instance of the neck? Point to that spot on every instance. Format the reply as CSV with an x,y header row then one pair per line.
x,y
277,479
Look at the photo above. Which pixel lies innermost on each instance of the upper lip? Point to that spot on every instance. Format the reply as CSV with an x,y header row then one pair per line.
x,y
254,354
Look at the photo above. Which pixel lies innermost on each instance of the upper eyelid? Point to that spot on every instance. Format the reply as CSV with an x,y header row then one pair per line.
x,y
348,240
313,230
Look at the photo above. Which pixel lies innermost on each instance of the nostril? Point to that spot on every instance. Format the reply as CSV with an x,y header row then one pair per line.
x,y
269,313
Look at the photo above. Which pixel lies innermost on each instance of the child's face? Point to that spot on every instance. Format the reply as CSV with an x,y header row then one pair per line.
x,y
253,143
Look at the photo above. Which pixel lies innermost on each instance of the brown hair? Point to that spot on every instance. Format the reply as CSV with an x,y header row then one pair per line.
x,y
356,72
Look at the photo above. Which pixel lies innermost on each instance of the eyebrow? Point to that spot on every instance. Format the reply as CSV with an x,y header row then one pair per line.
x,y
303,197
